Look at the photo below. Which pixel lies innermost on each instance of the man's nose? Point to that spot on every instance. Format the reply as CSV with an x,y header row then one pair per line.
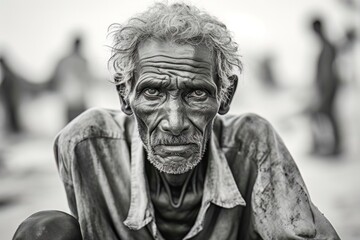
x,y
175,122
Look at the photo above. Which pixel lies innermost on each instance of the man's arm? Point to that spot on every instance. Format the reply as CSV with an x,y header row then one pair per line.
x,y
64,169
281,205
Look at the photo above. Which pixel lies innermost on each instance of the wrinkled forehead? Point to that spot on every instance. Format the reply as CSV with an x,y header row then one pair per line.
x,y
184,57
152,47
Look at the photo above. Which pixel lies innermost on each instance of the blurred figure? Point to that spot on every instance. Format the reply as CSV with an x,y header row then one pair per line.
x,y
69,79
266,71
14,90
327,138
10,96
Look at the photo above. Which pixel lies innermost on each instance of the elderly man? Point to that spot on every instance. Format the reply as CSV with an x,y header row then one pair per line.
x,y
170,167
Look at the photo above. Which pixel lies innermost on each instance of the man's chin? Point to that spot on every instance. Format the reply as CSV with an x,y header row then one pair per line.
x,y
174,164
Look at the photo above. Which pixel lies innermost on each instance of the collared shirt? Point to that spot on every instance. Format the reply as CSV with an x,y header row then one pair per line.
x,y
252,189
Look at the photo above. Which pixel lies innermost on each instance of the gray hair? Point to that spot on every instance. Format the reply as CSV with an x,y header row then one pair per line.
x,y
178,23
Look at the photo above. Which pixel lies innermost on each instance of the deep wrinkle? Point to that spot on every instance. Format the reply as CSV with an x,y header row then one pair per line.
x,y
190,66
171,57
178,63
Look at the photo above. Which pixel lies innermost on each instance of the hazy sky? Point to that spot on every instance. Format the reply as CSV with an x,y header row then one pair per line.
x,y
34,34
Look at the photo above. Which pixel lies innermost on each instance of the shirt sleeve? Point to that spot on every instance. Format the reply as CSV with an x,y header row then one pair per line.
x,y
281,205
62,158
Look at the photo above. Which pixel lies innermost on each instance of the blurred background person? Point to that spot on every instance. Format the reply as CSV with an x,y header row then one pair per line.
x,y
14,91
10,97
326,132
266,72
71,79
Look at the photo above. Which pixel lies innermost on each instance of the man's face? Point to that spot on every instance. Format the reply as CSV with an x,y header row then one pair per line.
x,y
174,99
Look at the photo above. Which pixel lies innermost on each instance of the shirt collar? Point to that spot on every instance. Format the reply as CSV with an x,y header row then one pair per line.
x,y
219,188
139,213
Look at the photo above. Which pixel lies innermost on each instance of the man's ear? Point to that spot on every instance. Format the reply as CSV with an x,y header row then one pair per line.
x,y
225,104
125,106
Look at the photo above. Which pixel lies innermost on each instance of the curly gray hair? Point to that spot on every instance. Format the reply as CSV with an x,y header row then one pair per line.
x,y
178,23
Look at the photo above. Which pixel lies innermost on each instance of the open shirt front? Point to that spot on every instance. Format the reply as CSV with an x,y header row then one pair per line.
x,y
252,190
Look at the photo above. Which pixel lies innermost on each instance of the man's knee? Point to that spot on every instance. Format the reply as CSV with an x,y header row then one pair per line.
x,y
54,225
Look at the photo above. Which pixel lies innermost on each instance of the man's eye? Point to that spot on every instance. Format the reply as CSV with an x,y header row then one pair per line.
x,y
198,94
151,92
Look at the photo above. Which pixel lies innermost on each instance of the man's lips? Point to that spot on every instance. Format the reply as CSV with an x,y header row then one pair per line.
x,y
180,150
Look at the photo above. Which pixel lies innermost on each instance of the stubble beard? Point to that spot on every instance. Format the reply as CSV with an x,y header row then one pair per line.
x,y
176,167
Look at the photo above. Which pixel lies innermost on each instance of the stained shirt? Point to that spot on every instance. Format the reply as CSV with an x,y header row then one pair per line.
x,y
252,189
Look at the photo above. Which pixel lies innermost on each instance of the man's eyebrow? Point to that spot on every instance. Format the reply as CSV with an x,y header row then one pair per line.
x,y
196,84
164,81
152,82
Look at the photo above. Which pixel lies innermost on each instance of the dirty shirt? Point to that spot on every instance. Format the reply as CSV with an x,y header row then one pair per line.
x,y
252,188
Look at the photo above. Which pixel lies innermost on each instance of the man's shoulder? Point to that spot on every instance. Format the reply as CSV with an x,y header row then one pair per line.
x,y
243,120
96,123
235,129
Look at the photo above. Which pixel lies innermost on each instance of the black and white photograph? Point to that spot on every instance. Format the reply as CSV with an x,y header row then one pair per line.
x,y
179,120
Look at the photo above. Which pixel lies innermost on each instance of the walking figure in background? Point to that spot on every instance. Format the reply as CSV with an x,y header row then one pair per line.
x,y
15,89
69,78
327,139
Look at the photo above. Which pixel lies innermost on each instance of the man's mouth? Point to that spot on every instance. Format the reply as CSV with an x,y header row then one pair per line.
x,y
179,150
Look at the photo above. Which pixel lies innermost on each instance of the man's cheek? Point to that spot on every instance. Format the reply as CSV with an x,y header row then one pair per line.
x,y
141,109
148,116
209,107
201,118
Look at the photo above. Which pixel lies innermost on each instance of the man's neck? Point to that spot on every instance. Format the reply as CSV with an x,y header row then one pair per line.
x,y
176,180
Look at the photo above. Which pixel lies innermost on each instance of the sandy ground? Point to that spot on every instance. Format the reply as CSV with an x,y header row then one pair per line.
x,y
29,181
